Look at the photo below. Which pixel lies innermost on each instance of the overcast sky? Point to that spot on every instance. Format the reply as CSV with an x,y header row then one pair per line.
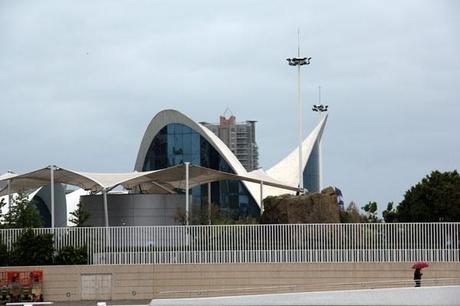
x,y
81,80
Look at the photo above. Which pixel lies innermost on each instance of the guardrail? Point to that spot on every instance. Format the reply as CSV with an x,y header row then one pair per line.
x,y
290,243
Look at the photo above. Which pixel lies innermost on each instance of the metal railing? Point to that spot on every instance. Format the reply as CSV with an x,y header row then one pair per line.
x,y
286,243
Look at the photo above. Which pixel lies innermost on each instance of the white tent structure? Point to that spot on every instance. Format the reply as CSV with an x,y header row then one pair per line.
x,y
166,180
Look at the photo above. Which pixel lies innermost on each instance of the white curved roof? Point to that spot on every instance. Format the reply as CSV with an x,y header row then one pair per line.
x,y
161,180
89,181
4,179
170,116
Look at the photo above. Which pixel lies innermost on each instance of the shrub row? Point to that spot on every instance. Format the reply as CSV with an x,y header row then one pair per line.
x,y
32,249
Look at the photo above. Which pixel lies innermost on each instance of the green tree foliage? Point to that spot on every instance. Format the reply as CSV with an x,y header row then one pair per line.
x,y
389,214
370,215
436,198
22,214
2,217
4,255
72,256
80,215
32,249
2,203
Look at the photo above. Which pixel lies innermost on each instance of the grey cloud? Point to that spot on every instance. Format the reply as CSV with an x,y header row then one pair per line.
x,y
80,81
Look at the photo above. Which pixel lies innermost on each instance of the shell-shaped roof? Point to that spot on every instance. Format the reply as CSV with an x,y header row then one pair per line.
x,y
171,116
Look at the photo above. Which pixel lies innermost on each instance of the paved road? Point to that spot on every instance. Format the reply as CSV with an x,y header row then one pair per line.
x,y
94,303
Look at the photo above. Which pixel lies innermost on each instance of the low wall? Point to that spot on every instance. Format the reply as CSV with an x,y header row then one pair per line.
x,y
144,282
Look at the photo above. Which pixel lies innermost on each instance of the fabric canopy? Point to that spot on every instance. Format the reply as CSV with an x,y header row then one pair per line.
x,y
4,179
158,181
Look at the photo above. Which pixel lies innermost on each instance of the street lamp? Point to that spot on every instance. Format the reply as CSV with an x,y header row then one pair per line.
x,y
299,61
320,108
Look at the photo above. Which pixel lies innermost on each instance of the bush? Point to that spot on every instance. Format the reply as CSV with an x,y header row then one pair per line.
x,y
72,256
4,255
32,249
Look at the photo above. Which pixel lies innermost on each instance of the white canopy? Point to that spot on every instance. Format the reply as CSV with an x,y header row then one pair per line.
x,y
4,179
158,181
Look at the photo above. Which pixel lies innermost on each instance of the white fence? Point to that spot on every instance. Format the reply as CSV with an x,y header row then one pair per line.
x,y
287,243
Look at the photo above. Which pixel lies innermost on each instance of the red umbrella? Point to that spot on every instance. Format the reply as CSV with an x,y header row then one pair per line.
x,y
420,265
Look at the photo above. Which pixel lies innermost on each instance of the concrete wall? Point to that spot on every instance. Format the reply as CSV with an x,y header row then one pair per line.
x,y
134,209
144,282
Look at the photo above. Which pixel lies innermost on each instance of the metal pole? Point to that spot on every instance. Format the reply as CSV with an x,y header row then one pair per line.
x,y
300,128
261,197
320,163
106,211
187,204
9,195
209,204
320,185
298,61
300,112
52,195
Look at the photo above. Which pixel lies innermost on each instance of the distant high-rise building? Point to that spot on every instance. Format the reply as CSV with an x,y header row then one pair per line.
x,y
240,137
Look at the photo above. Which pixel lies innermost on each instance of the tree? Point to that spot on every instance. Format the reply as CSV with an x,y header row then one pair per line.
x,y
80,215
70,255
22,214
371,213
2,218
32,249
4,255
389,214
435,198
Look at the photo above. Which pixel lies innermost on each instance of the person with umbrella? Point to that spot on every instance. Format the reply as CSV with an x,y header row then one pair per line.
x,y
418,266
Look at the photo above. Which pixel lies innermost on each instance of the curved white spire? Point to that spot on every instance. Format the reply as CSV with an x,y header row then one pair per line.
x,y
286,170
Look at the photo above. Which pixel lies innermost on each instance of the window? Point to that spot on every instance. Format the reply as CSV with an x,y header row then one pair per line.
x,y
177,143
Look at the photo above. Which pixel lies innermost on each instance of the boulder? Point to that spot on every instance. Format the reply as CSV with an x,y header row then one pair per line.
x,y
306,208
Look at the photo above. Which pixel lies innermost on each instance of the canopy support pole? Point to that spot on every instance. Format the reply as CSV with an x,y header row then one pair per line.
x,y
261,197
9,195
52,195
187,204
106,211
209,203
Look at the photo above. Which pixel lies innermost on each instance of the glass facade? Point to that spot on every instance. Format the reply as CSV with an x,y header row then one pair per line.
x,y
175,144
43,210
